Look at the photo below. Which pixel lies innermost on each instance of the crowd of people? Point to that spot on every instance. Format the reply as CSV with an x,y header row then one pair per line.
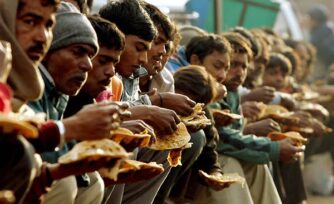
x,y
130,66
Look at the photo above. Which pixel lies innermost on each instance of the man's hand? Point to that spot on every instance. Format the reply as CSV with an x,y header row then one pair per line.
x,y
287,101
263,94
288,151
93,121
262,127
163,120
137,126
251,110
181,104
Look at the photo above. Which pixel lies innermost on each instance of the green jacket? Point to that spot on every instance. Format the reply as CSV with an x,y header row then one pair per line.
x,y
53,104
232,141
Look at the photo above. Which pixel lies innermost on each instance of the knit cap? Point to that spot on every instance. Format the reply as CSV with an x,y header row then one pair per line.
x,y
72,27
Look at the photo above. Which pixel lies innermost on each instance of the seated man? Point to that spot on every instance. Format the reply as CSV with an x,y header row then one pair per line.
x,y
245,154
73,47
18,165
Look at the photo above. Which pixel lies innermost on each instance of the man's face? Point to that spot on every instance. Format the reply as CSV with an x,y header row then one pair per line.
x,y
33,28
237,72
99,77
69,67
156,53
133,56
258,67
217,64
274,77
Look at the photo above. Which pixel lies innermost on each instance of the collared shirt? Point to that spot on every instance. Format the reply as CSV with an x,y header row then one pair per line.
x,y
131,89
163,81
53,103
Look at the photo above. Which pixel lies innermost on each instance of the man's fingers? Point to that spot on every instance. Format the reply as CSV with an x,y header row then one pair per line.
x,y
191,102
176,119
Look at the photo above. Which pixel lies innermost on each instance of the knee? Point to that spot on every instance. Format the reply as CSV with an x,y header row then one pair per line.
x,y
63,190
96,187
199,140
98,183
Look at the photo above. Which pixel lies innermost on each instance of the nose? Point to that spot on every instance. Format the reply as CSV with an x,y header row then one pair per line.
x,y
142,58
110,71
221,75
239,71
85,64
162,49
279,78
42,35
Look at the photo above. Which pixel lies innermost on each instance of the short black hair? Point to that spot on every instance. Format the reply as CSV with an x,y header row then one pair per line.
x,y
239,44
255,45
160,20
294,59
107,32
203,46
280,60
130,18
55,3
195,82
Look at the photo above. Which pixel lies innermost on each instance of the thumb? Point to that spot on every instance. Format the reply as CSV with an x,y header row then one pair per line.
x,y
152,92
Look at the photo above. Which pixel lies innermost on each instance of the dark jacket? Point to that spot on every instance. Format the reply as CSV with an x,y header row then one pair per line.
x,y
208,159
247,148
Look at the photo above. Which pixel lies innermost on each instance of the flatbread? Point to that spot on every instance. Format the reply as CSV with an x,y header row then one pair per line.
x,y
126,137
174,157
292,135
7,197
229,178
13,124
133,171
224,117
197,117
94,150
178,139
269,110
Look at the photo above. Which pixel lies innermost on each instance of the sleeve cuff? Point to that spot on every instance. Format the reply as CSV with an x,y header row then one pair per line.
x,y
274,151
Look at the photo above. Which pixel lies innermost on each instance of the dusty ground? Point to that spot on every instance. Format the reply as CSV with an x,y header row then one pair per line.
x,y
320,200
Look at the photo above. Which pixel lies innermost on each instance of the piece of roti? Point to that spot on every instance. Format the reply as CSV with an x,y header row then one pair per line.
x,y
133,171
13,124
176,140
295,136
94,150
228,178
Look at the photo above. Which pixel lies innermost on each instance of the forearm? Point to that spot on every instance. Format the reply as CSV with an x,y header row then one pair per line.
x,y
251,143
49,138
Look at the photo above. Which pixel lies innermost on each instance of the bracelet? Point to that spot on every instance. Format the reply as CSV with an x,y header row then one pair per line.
x,y
62,130
161,101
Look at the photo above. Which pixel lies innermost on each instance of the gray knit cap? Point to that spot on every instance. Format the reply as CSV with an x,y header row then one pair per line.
x,y
72,27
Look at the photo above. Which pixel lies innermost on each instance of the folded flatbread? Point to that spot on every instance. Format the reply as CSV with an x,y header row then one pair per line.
x,y
224,117
295,136
177,140
94,150
133,171
228,178
13,124
175,155
197,117
269,110
126,137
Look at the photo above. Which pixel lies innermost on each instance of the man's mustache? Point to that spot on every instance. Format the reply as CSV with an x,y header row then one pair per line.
x,y
39,48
